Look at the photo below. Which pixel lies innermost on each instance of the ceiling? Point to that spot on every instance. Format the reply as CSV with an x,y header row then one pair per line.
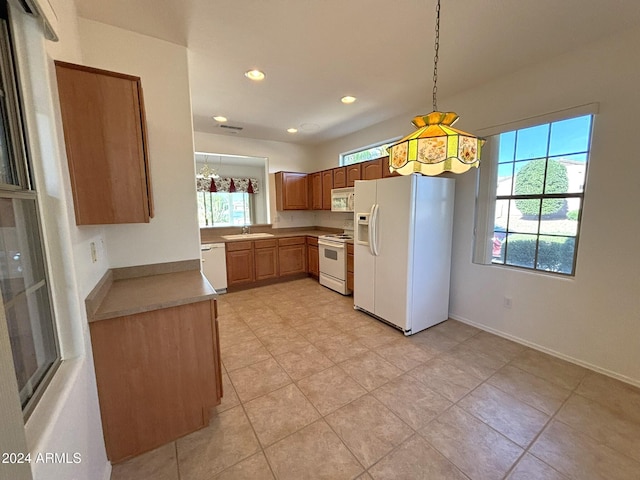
x,y
380,51
214,159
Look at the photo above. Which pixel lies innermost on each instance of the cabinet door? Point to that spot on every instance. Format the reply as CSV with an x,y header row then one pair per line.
x,y
266,263
339,177
148,363
371,170
292,255
353,174
239,267
105,139
327,185
313,260
292,191
315,186
350,266
385,168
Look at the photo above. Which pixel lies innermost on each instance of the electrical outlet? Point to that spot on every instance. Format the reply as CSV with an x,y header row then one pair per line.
x,y
507,302
94,253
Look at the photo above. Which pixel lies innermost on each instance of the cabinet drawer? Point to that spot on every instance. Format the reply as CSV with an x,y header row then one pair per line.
x,y
292,241
312,240
272,242
235,246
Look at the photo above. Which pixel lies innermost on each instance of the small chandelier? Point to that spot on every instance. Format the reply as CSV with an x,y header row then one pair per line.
x,y
435,146
206,172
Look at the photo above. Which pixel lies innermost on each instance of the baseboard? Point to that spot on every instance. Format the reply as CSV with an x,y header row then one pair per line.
x,y
562,356
107,471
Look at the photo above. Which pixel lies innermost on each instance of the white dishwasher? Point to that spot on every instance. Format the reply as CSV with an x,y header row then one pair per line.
x,y
214,265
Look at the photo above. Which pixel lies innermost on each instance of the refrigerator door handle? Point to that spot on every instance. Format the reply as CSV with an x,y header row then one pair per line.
x,y
374,227
370,229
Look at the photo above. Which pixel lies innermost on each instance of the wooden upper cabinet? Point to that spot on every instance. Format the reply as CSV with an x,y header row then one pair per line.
x,y
385,168
353,174
292,191
327,185
106,142
371,170
339,177
315,191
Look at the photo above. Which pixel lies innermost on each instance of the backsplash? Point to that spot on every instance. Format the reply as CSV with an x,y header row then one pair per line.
x,y
292,218
343,220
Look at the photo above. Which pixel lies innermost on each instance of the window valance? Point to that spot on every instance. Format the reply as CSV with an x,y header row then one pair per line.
x,y
227,184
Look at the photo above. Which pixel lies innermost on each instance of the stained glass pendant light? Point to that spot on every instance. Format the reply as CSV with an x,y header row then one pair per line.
x,y
435,146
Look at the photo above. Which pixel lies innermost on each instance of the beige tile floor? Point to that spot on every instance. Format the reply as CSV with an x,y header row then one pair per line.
x,y
316,390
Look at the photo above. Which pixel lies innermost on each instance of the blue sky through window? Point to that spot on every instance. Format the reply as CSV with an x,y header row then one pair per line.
x,y
565,137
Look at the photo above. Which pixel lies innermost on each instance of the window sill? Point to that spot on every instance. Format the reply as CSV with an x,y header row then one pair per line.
x,y
43,418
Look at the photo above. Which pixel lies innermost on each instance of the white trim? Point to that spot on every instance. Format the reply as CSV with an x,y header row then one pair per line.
x,y
587,109
549,351
39,425
44,10
107,471
362,149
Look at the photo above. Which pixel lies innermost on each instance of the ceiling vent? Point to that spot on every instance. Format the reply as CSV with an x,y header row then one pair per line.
x,y
231,128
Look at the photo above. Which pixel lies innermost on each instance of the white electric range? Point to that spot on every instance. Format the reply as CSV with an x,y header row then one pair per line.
x,y
332,252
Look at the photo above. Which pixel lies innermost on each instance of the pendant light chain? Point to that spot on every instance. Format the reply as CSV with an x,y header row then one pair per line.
x,y
435,58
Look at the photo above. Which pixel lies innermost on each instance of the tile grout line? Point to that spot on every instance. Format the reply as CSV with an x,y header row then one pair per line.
x,y
539,434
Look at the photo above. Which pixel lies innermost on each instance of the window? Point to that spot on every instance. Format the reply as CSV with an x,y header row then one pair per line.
x,y
224,209
24,286
366,154
537,187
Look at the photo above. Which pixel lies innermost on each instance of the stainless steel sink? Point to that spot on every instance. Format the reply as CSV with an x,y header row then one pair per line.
x,y
241,236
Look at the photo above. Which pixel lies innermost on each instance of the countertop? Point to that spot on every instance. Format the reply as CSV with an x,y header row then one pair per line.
x,y
115,296
209,237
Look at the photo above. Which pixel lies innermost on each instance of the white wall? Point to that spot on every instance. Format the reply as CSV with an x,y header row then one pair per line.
x,y
162,66
280,157
594,317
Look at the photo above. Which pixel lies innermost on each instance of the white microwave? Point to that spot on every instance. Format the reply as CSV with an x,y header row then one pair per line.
x,y
342,199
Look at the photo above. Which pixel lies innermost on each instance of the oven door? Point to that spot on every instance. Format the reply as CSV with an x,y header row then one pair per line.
x,y
333,259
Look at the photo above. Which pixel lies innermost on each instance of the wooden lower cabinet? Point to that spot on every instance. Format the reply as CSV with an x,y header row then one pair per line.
x,y
259,261
313,260
240,264
292,255
158,375
265,257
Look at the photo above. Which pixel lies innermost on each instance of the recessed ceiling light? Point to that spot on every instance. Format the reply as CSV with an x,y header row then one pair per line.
x,y
220,118
256,75
292,130
348,99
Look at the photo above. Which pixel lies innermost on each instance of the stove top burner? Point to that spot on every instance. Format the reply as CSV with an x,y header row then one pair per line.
x,y
337,237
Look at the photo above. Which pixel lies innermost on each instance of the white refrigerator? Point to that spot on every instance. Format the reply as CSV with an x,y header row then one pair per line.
x,y
402,249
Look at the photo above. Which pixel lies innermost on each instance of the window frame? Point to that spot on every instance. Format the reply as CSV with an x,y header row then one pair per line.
x,y
249,210
342,163
24,189
487,196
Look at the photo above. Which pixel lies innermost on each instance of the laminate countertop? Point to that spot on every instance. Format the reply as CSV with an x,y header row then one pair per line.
x,y
115,296
211,237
